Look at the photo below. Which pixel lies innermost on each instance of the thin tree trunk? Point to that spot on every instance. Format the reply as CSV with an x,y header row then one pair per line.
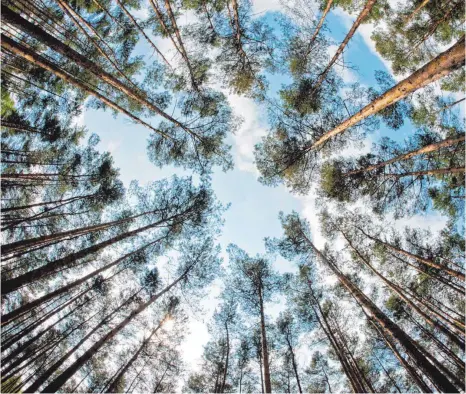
x,y
434,172
33,57
427,262
225,372
386,373
265,351
437,68
365,11
141,30
61,379
11,17
319,26
396,289
410,346
425,149
64,289
113,386
51,370
415,12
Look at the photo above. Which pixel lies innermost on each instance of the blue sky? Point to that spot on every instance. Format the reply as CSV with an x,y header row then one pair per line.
x,y
254,209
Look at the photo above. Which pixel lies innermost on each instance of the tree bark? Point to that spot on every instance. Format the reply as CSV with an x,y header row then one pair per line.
x,y
425,149
319,26
265,350
61,379
411,347
33,57
437,68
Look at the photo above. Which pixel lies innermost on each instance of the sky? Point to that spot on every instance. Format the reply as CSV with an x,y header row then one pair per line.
x,y
254,209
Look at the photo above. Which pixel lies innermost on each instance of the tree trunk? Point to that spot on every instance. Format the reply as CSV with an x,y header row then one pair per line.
x,y
416,10
33,57
49,371
411,347
425,149
434,172
428,262
265,350
16,20
61,379
397,290
367,8
225,372
113,386
437,68
11,285
64,289
318,27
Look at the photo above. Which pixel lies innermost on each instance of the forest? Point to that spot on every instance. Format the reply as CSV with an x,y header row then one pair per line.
x,y
105,281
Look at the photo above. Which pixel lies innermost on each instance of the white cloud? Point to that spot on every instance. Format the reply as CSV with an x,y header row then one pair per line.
x,y
267,5
248,134
113,146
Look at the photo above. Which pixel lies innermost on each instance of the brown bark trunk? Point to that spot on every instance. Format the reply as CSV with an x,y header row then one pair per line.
x,y
55,366
365,11
415,12
411,347
60,380
395,288
437,68
425,149
422,260
42,36
225,372
319,26
141,30
265,350
33,57
32,304
13,284
434,172
113,386
40,204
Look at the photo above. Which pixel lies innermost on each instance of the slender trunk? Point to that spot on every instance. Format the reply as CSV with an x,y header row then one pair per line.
x,y
261,371
64,289
40,204
396,289
387,373
365,11
156,389
14,19
11,285
61,379
319,26
425,149
434,172
19,127
416,10
55,366
113,386
324,324
411,347
427,262
225,372
265,350
437,68
35,58
141,30
295,367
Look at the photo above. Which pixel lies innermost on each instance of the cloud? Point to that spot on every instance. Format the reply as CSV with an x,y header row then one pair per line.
x,y
249,133
113,146
267,5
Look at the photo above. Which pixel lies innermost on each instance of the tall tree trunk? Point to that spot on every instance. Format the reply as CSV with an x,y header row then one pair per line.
x,y
442,65
55,366
409,345
114,385
16,20
61,379
434,172
265,350
11,285
425,261
141,30
295,367
405,156
365,11
225,372
415,11
319,26
397,290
